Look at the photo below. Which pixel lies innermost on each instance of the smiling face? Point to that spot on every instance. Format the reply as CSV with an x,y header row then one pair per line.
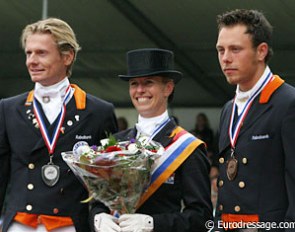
x,y
149,95
45,63
240,61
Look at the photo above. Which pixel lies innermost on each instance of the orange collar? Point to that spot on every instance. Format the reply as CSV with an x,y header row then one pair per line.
x,y
79,94
270,88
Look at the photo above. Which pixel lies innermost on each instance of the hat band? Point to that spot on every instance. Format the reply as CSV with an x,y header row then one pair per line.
x,y
145,71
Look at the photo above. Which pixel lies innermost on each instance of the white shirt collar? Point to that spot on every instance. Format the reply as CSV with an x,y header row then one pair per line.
x,y
56,90
250,92
242,97
147,126
51,97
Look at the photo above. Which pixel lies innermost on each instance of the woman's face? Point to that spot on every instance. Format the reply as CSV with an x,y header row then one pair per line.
x,y
149,95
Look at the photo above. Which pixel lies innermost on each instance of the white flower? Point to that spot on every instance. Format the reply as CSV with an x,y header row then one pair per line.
x,y
132,147
104,142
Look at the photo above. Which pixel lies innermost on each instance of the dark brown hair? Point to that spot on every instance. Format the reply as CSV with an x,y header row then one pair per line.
x,y
257,26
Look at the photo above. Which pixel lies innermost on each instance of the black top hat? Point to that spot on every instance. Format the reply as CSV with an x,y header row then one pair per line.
x,y
151,62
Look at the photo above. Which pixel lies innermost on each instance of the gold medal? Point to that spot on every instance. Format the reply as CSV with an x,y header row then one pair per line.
x,y
231,168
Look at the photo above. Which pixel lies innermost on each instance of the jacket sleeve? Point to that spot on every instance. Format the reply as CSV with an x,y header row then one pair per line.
x,y
196,192
288,138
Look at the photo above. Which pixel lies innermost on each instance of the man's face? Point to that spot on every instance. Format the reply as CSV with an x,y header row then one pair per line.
x,y
240,62
149,95
44,62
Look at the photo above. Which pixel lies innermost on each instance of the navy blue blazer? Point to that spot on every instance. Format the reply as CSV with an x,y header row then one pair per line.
x,y
23,153
265,150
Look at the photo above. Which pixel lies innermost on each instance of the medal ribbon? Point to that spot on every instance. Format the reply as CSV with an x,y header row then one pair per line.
x,y
51,142
235,130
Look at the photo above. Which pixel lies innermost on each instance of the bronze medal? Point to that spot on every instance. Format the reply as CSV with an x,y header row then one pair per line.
x,y
232,168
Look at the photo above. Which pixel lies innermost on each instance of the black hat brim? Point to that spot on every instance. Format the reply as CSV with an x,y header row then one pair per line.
x,y
175,75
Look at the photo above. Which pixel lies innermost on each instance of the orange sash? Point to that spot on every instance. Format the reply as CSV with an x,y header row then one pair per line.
x,y
176,153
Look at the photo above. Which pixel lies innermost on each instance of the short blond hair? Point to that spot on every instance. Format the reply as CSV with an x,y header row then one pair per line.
x,y
62,33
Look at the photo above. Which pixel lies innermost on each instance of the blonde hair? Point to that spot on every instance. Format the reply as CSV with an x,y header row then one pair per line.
x,y
61,32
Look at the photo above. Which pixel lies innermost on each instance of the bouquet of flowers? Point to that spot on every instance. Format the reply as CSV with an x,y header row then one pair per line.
x,y
115,173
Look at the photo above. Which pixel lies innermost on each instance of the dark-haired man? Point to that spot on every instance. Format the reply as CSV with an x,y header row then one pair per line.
x,y
256,143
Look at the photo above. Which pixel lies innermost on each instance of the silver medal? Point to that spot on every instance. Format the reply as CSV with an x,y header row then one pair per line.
x,y
50,173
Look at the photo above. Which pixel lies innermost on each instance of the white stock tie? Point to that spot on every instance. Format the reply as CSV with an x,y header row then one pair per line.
x,y
51,102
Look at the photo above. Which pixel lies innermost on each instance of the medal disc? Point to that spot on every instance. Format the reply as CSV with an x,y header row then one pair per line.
x,y
231,168
50,174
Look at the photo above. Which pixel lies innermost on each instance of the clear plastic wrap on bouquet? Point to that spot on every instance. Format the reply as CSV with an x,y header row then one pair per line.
x,y
116,174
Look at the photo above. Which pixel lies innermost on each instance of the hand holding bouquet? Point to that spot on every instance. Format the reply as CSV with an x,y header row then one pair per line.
x,y
115,173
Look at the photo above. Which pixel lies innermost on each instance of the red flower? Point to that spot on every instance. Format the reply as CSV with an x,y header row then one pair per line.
x,y
112,148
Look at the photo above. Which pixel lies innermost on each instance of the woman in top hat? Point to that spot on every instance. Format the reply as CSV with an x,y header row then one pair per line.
x,y
181,201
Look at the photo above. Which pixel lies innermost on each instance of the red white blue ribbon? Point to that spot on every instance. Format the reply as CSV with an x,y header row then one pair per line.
x,y
235,130
172,153
175,154
50,142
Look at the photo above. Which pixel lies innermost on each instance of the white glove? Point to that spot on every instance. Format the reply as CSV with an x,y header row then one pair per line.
x,y
136,223
106,223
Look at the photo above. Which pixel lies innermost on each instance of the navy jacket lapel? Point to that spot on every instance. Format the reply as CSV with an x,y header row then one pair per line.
x,y
224,141
255,113
27,113
72,119
163,136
